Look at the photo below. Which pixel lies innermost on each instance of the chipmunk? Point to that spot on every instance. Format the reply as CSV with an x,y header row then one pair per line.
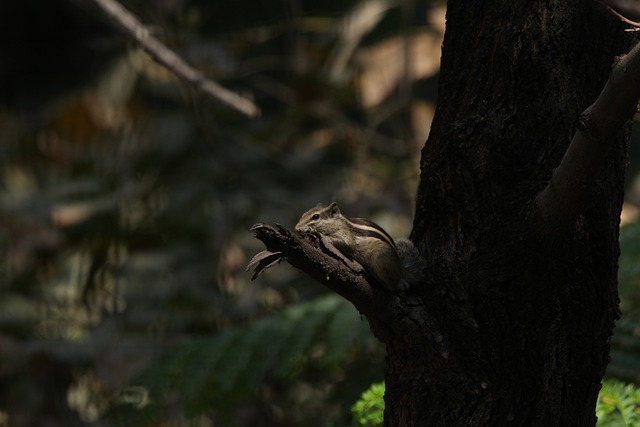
x,y
393,265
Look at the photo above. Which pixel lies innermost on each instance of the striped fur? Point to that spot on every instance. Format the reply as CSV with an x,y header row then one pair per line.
x,y
364,227
356,239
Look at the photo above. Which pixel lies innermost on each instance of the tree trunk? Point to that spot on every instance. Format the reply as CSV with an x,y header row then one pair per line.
x,y
517,220
513,326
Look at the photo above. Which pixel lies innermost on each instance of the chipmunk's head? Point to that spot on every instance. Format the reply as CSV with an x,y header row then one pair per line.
x,y
321,219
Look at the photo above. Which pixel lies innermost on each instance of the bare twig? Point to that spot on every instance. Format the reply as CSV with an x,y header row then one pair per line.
x,y
165,56
609,4
623,19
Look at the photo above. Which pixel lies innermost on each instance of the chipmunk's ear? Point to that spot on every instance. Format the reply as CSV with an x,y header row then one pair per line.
x,y
334,209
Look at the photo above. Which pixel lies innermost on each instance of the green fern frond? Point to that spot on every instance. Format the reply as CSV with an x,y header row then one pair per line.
x,y
343,329
215,372
306,320
618,405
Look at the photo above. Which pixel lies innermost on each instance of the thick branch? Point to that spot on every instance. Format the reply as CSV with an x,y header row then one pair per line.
x,y
164,56
326,269
569,189
393,316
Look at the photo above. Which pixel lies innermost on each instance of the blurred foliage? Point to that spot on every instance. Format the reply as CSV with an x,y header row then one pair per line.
x,y
325,336
126,199
625,345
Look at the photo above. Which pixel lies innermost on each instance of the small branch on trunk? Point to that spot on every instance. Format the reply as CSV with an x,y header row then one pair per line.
x,y
623,10
570,187
306,254
625,20
166,57
392,316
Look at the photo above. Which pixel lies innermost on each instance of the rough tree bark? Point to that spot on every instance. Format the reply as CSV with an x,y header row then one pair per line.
x,y
531,254
517,219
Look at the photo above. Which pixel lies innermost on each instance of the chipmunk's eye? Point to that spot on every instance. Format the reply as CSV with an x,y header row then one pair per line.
x,y
315,216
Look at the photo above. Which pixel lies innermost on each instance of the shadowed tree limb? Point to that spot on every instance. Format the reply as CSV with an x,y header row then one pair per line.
x,y
569,189
390,315
166,57
306,254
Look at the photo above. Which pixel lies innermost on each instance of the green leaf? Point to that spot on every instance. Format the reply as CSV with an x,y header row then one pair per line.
x,y
618,405
369,410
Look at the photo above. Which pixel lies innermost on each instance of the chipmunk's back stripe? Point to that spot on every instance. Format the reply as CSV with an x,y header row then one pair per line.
x,y
365,227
